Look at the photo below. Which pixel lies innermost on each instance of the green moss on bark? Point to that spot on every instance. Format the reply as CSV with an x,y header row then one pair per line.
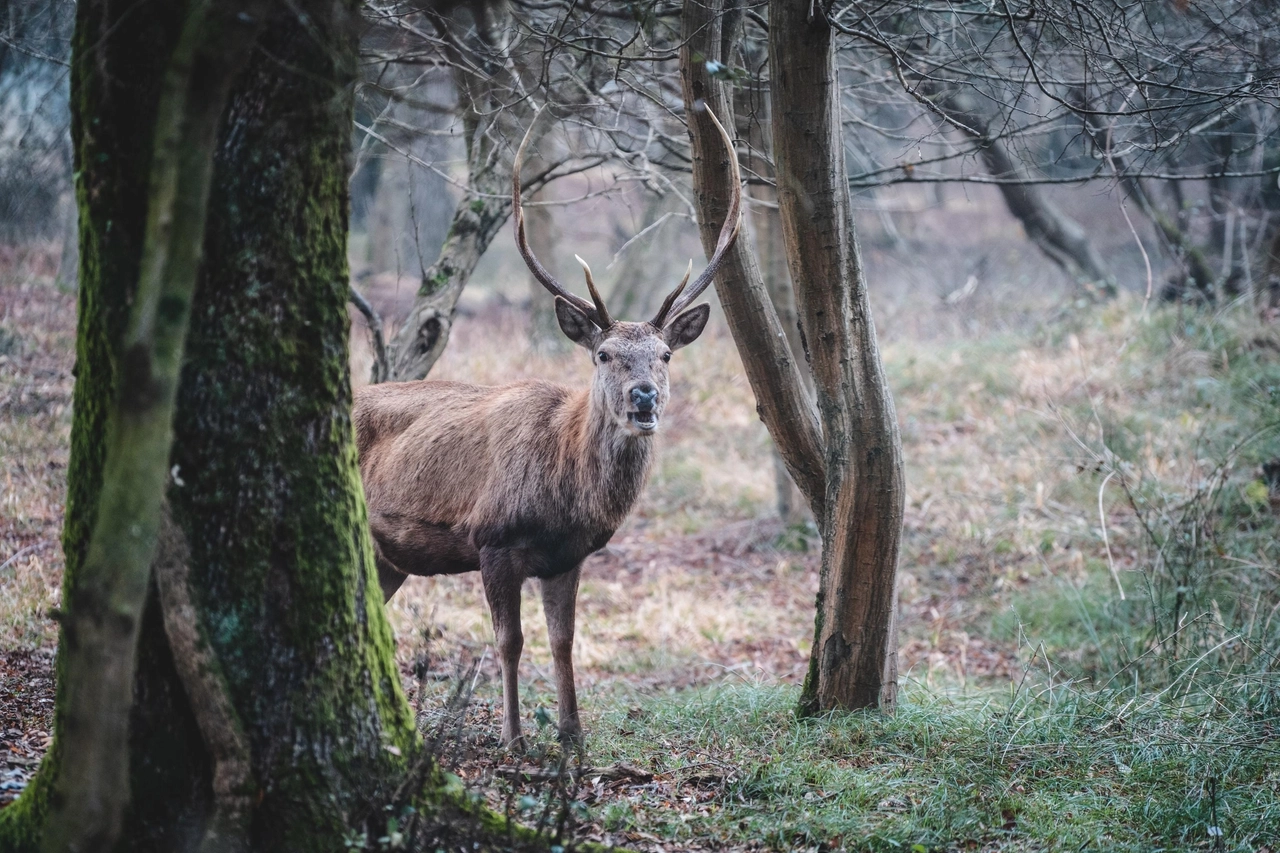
x,y
112,166
271,503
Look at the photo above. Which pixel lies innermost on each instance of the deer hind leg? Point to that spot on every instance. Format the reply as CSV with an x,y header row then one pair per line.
x,y
559,600
503,577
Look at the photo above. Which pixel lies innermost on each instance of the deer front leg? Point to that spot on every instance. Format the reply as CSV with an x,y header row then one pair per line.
x,y
389,578
503,576
559,601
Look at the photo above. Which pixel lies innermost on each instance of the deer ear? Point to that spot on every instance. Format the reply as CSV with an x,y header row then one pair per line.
x,y
576,325
686,327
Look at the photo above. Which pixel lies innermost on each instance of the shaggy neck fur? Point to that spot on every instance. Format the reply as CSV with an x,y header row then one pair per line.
x,y
611,463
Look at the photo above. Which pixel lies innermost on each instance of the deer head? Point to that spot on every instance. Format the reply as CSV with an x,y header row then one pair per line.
x,y
631,375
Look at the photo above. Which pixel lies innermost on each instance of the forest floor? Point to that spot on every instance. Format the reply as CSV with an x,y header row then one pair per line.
x,y
1049,467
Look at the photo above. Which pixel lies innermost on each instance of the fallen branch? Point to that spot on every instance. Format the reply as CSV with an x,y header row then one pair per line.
x,y
613,773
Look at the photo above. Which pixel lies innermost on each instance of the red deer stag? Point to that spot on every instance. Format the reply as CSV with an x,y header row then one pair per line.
x,y
525,480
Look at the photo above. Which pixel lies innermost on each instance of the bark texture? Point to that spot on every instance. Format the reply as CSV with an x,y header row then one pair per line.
x,y
776,377
271,506
841,446
265,493
100,628
854,661
112,167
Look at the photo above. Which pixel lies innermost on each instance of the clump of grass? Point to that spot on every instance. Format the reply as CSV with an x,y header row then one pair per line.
x,y
1056,768
1184,583
37,322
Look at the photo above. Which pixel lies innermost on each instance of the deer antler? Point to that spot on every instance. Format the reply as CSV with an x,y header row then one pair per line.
x,y
596,313
605,319
679,299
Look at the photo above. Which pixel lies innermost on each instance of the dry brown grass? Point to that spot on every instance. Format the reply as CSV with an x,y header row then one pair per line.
x,y
37,345
692,587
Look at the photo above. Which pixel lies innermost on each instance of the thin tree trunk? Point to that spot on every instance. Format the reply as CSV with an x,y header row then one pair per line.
x,y
773,267
483,70
1199,277
850,469
854,661
422,338
776,377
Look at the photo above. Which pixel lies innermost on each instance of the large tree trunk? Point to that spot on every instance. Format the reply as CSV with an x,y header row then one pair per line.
x,y
844,452
269,519
100,626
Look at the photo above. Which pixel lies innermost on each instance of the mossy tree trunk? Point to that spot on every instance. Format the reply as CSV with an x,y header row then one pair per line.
x,y
268,518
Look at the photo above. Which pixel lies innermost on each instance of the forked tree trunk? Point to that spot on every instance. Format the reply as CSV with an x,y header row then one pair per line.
x,y
483,76
844,452
854,661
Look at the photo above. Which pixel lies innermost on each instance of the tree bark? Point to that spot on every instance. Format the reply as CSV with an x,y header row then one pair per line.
x,y
849,467
100,627
776,378
482,66
264,489
854,662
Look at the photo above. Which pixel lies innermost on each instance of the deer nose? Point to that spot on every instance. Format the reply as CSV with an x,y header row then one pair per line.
x,y
643,397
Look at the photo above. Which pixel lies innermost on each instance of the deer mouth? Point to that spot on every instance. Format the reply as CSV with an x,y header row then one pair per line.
x,y
643,421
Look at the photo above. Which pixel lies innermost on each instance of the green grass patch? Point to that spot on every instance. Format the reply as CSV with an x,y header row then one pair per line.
x,y
1054,769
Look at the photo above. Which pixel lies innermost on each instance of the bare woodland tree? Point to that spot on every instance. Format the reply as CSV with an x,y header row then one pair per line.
x,y
1184,94
841,445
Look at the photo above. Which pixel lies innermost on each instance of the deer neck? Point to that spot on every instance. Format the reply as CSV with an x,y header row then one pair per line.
x,y
613,464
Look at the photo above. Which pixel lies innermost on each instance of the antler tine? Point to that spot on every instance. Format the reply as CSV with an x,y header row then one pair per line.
x,y
728,233
605,320
660,319
522,243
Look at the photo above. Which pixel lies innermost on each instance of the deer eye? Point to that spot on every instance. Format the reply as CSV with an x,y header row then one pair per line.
x,y
602,357
666,356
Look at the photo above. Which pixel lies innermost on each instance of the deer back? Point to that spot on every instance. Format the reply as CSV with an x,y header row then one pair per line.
x,y
516,466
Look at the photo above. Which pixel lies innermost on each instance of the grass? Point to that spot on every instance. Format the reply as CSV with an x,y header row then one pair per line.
x,y
1047,469
1044,768
37,340
1050,464
1056,769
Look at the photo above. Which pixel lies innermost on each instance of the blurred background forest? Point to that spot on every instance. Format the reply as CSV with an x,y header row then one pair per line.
x,y
1070,223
